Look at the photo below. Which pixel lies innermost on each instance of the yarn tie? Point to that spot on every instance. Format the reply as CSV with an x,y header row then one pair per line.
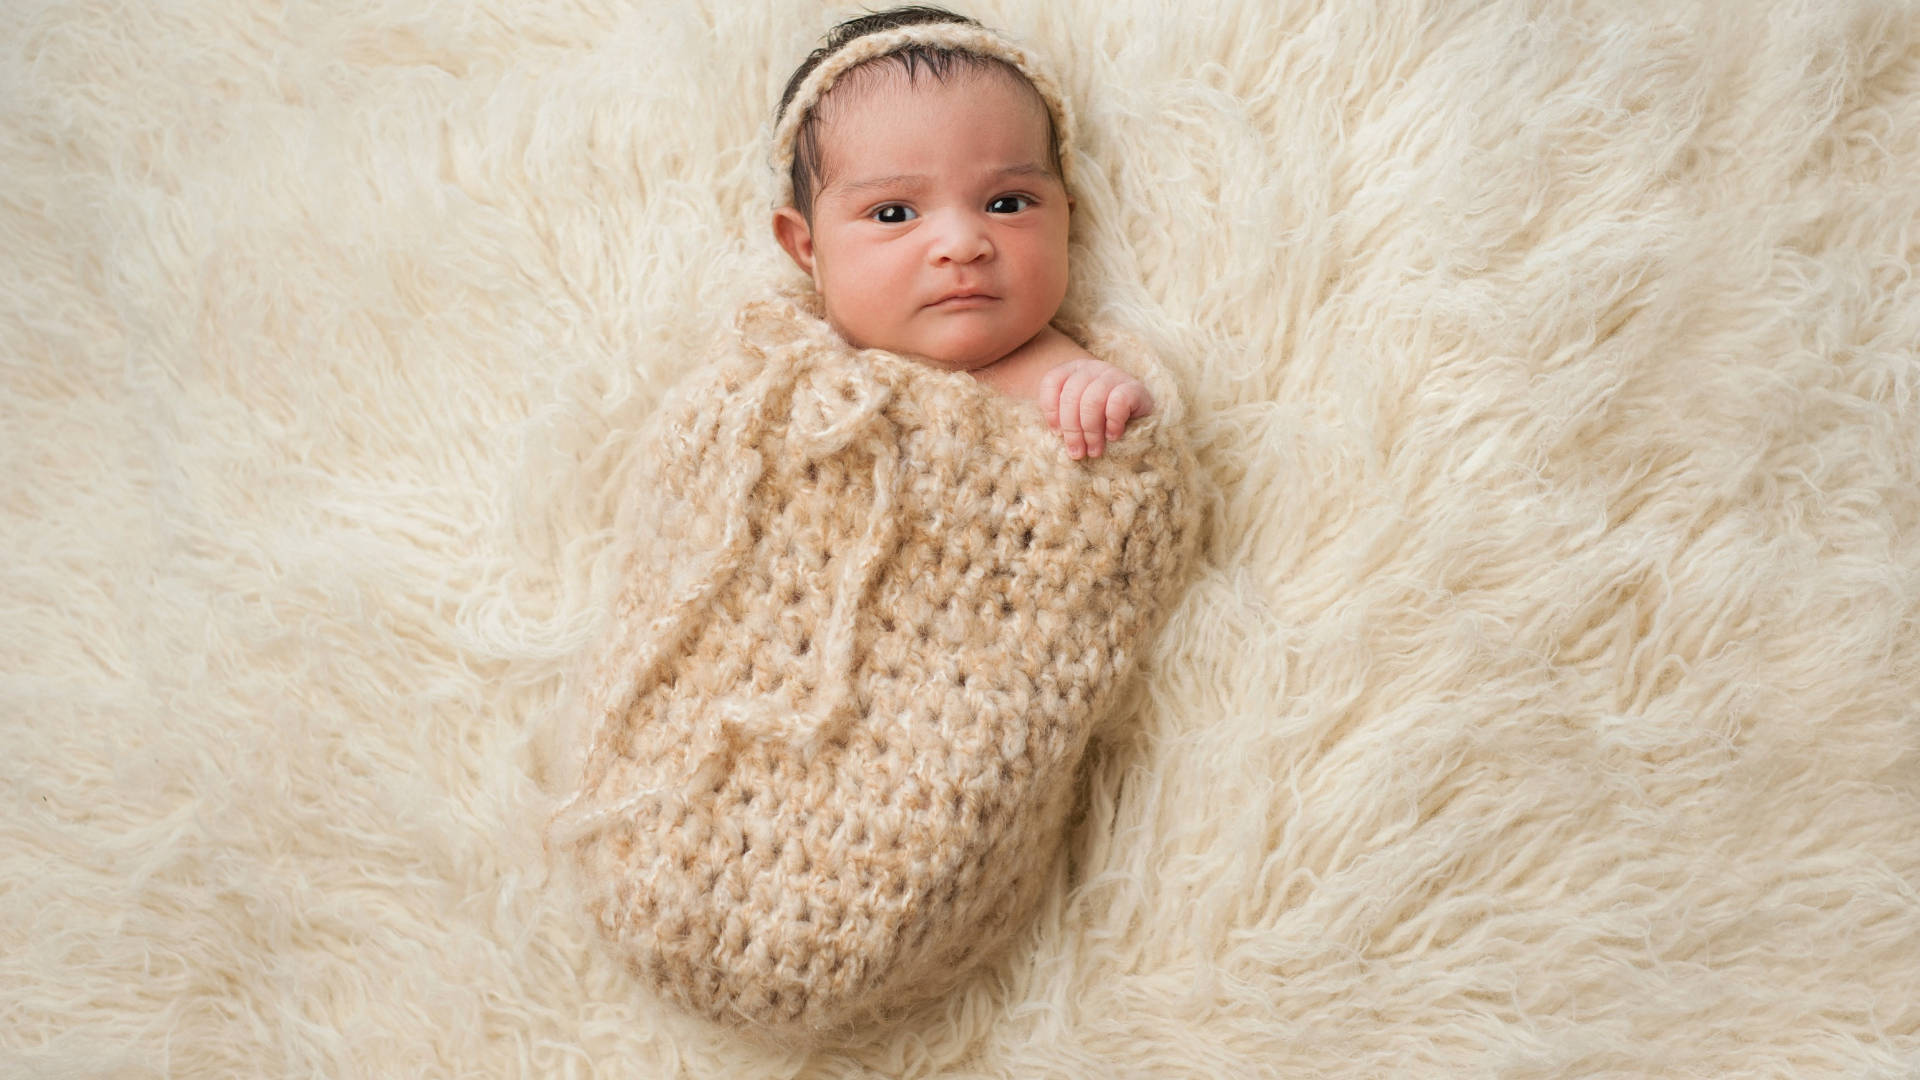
x,y
848,412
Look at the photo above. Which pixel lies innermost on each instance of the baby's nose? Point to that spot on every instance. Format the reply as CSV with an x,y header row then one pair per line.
x,y
961,239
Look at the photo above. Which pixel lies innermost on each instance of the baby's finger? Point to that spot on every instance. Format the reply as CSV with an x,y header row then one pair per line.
x,y
1122,405
1071,426
1050,385
1093,410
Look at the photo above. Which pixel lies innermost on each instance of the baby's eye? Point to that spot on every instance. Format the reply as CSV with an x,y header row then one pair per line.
x,y
1009,204
893,215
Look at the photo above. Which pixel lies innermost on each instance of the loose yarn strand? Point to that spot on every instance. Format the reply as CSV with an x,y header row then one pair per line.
x,y
856,574
663,635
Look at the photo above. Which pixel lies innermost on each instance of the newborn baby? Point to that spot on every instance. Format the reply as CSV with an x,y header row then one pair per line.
x,y
931,210
869,621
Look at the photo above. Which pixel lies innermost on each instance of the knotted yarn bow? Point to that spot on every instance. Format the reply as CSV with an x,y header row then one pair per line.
x,y
829,410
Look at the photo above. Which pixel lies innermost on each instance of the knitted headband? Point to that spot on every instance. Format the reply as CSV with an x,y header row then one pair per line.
x,y
960,37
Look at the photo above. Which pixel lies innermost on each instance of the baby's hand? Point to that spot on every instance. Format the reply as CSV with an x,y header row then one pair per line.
x,y
1089,402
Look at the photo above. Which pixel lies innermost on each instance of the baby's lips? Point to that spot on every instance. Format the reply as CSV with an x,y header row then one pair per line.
x,y
966,297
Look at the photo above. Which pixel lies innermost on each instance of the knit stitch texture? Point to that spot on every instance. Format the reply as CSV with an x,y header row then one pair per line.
x,y
838,713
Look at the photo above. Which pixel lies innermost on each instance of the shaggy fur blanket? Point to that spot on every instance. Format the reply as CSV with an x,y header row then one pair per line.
x,y
1546,700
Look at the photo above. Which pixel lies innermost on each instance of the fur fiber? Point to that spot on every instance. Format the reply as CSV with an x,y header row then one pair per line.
x,y
1546,702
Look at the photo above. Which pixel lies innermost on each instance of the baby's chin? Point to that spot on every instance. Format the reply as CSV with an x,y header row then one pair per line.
x,y
964,351
958,345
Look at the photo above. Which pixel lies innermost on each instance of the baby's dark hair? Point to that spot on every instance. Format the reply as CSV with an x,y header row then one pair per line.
x,y
808,171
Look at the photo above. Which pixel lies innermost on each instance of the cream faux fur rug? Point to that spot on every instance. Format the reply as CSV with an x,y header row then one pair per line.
x,y
1547,702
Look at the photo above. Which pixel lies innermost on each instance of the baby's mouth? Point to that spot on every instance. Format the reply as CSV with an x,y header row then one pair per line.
x,y
963,300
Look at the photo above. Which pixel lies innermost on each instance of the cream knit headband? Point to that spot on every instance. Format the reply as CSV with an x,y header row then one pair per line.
x,y
960,37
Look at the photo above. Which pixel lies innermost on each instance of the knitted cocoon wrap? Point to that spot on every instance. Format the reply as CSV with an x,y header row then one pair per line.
x,y
873,614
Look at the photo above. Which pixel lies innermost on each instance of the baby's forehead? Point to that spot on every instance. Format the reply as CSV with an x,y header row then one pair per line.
x,y
893,76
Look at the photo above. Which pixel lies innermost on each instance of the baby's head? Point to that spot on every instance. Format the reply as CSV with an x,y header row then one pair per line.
x,y
924,186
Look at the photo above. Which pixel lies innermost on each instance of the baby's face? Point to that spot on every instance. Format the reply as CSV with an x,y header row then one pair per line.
x,y
941,230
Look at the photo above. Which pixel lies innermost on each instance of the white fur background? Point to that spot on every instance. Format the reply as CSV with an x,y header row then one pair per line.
x,y
1547,702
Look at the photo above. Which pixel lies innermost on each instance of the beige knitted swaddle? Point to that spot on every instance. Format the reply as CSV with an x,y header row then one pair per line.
x,y
873,618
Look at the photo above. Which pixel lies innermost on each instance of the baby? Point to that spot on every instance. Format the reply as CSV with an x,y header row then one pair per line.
x,y
830,616
932,215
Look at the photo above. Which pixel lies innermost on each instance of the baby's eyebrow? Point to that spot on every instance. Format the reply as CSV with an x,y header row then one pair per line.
x,y
1025,168
899,181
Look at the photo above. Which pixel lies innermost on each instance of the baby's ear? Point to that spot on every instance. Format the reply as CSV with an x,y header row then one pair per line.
x,y
793,233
